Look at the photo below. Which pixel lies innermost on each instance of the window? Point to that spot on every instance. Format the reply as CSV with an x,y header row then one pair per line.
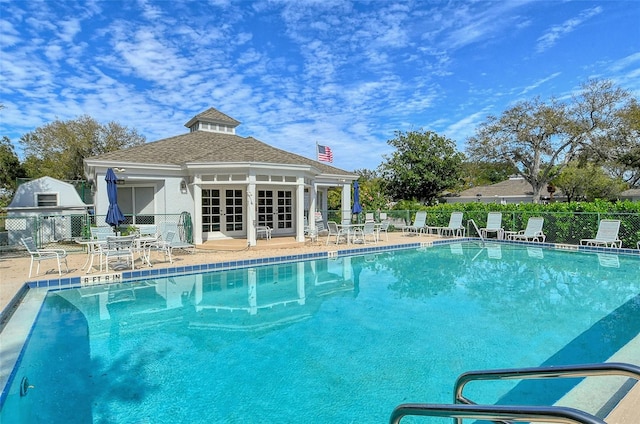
x,y
47,199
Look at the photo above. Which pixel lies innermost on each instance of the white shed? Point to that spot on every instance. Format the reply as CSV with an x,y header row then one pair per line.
x,y
55,203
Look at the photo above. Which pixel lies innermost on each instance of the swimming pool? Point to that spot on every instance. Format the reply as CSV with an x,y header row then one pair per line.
x,y
331,340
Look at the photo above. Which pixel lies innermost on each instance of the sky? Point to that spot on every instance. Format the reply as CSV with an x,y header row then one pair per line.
x,y
346,74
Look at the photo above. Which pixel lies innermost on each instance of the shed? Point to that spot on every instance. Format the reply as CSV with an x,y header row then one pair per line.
x,y
56,203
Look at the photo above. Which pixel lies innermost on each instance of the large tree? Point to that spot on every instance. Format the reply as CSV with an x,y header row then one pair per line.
x,y
539,138
57,149
10,170
423,165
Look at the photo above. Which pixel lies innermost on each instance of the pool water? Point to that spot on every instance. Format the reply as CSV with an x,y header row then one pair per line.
x,y
338,340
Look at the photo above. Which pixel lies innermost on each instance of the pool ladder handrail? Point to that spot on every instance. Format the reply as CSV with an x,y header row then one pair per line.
x,y
520,413
465,408
477,230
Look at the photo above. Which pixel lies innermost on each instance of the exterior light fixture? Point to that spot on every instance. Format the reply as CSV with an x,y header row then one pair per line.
x,y
183,187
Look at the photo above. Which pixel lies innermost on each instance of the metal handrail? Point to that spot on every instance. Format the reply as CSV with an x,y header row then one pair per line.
x,y
565,371
551,414
477,229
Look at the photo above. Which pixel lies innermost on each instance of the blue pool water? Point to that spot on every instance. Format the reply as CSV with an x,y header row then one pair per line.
x,y
342,340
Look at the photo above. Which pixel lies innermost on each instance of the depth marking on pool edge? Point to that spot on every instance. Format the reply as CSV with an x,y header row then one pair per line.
x,y
565,247
90,280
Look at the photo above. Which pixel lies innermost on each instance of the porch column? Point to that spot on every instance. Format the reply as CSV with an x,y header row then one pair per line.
x,y
300,209
346,202
251,211
197,209
313,201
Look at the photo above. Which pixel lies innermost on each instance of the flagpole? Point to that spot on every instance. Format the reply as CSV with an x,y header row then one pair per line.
x,y
317,152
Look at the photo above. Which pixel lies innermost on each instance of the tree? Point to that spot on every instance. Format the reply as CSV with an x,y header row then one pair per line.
x,y
486,173
587,182
624,146
423,165
10,170
539,138
58,149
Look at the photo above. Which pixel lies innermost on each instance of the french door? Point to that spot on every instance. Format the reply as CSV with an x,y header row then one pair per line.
x,y
223,213
275,209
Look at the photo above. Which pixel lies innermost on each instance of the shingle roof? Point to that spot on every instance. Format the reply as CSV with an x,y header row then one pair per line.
x,y
214,116
205,146
511,187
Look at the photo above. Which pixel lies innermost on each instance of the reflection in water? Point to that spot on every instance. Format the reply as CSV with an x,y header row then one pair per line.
x,y
278,341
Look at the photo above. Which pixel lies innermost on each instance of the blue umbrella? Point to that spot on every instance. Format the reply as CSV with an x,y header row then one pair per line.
x,y
114,215
356,198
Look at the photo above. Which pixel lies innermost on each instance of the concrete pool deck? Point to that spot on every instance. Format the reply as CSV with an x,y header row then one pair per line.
x,y
14,271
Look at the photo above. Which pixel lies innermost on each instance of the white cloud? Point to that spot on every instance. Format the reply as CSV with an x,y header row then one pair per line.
x,y
556,32
540,82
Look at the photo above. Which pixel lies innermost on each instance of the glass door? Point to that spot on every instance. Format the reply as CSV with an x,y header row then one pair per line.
x,y
222,213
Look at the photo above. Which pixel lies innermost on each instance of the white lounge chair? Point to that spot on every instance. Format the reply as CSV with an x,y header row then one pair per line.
x,y
39,255
494,225
607,234
455,227
533,232
177,242
419,223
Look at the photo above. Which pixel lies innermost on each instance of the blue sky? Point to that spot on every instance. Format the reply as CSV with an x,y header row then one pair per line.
x,y
347,74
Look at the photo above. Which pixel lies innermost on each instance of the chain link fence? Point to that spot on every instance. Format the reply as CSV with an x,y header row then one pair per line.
x,y
563,228
63,230
566,228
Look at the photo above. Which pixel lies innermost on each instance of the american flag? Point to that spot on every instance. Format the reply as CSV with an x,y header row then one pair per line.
x,y
325,154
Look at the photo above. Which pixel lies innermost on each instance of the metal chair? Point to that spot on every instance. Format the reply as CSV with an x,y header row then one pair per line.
x,y
39,255
118,249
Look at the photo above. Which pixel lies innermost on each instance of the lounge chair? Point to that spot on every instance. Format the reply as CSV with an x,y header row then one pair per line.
x,y
177,242
494,225
419,223
455,227
607,234
39,255
533,232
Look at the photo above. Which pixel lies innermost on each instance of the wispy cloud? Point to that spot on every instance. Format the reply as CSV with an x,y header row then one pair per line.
x,y
556,32
540,82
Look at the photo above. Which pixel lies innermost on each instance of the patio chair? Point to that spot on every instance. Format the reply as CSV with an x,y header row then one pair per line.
x,y
334,231
118,250
101,233
39,255
494,225
263,231
369,217
533,232
419,223
607,234
368,231
455,227
384,228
